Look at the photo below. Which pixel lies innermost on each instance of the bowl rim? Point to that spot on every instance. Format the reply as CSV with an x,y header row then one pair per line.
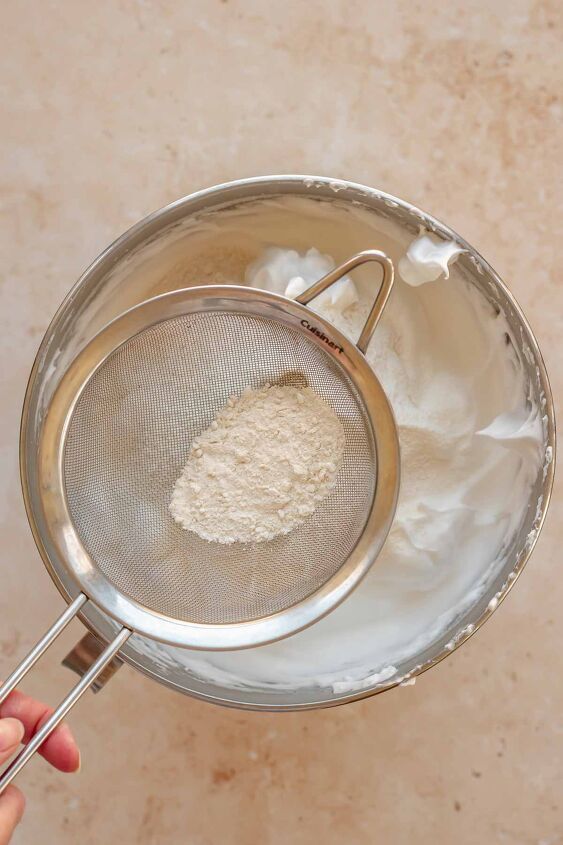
x,y
315,187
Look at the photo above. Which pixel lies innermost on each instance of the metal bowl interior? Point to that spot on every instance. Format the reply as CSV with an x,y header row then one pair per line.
x,y
89,306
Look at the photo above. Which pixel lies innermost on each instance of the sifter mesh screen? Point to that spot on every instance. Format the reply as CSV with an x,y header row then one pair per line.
x,y
129,437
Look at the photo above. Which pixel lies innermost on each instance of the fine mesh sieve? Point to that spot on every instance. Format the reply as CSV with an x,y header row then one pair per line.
x,y
130,434
117,434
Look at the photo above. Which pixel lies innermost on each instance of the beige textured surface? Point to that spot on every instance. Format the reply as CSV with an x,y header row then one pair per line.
x,y
112,109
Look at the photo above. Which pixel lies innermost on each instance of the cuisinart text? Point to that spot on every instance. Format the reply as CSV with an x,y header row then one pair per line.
x,y
322,336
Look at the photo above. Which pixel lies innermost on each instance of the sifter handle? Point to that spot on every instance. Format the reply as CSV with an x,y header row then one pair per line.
x,y
380,300
74,695
42,646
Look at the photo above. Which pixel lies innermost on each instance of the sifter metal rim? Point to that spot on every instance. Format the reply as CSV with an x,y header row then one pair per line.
x,y
79,564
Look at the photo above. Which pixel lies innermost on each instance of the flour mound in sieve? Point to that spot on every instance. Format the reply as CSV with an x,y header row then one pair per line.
x,y
261,468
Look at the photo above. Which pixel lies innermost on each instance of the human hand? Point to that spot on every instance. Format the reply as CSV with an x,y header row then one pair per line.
x,y
20,718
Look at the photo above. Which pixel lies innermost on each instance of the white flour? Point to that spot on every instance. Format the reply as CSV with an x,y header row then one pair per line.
x,y
261,468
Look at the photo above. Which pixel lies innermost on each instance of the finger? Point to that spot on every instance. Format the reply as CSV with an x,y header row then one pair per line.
x,y
12,805
11,734
60,748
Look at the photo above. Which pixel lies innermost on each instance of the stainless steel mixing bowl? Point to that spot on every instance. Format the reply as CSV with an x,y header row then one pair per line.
x,y
98,296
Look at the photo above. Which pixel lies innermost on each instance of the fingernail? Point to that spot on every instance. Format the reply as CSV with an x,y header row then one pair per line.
x,y
11,733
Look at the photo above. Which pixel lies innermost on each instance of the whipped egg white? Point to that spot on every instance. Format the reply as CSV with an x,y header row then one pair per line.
x,y
470,438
